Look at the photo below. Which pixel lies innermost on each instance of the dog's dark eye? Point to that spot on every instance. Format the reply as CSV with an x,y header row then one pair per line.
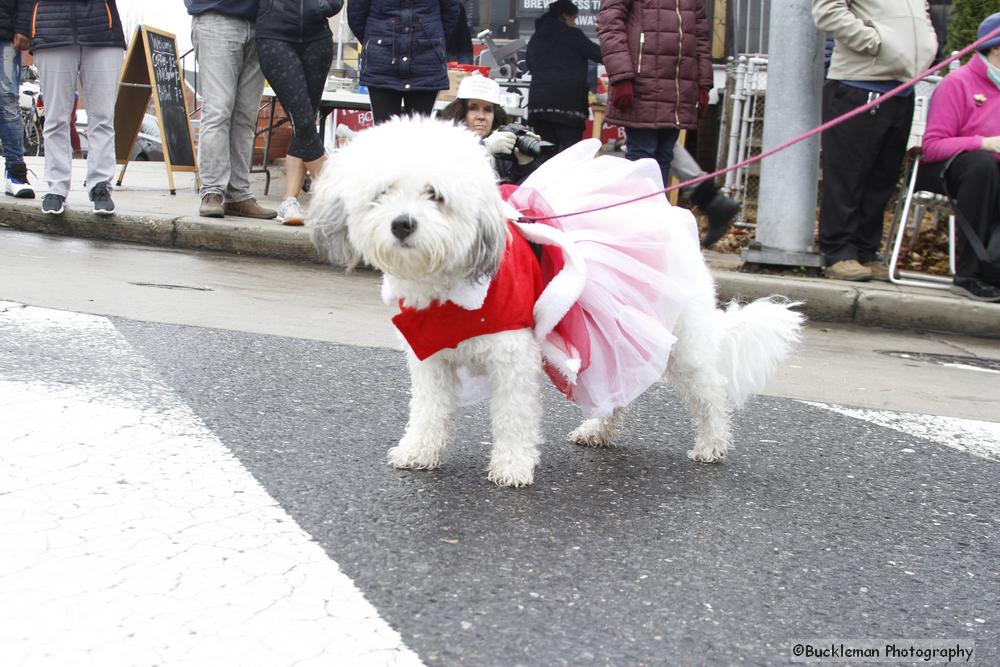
x,y
433,195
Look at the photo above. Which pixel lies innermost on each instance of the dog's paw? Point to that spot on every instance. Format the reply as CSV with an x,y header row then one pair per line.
x,y
509,470
592,433
708,453
415,456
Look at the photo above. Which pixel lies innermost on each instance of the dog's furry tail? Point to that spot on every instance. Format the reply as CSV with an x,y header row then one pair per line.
x,y
756,338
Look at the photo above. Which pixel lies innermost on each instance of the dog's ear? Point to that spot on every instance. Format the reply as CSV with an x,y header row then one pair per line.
x,y
488,247
328,218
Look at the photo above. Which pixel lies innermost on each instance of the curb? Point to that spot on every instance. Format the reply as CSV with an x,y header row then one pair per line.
x,y
865,304
240,236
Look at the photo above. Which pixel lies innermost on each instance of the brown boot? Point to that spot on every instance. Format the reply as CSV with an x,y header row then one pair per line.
x,y
879,270
211,206
848,269
249,208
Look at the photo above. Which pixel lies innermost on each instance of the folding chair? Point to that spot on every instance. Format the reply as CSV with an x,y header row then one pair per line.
x,y
913,204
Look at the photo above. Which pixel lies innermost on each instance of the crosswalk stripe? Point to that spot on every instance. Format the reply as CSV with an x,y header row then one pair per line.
x,y
129,534
979,438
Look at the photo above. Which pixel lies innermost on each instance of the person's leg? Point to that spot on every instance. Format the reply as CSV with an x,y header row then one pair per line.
x,y
297,73
57,73
246,106
419,102
567,135
74,135
547,130
386,103
720,209
974,181
847,158
641,142
684,165
889,135
218,42
99,68
666,139
11,124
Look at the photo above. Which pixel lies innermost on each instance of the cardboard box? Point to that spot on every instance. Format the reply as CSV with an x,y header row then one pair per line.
x,y
456,73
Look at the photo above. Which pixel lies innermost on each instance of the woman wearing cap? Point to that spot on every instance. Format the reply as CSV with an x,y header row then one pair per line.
x,y
557,57
477,104
961,153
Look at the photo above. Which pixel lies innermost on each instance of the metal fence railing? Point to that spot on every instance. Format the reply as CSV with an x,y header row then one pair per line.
x,y
748,21
742,131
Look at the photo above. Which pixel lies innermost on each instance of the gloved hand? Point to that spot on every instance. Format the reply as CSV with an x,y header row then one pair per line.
x,y
622,95
703,102
500,143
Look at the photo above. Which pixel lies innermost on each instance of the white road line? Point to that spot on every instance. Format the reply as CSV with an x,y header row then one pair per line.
x,y
979,438
129,535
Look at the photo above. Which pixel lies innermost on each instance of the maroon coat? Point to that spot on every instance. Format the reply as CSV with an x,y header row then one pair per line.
x,y
664,47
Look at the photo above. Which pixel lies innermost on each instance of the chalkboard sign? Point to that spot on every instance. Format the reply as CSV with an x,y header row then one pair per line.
x,y
169,93
152,71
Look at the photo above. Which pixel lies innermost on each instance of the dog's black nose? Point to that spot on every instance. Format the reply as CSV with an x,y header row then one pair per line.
x,y
403,226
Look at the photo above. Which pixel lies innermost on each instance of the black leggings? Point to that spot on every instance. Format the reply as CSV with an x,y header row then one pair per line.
x,y
297,74
386,103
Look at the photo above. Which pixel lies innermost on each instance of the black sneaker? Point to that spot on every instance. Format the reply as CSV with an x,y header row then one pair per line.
x,y
100,194
976,289
53,204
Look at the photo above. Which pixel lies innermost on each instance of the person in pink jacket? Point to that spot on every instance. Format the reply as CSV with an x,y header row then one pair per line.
x,y
961,156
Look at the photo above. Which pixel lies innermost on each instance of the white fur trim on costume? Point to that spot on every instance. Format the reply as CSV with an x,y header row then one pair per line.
x,y
565,287
470,296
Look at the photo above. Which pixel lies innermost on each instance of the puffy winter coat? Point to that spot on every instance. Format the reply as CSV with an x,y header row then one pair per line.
x,y
663,46
296,20
403,41
877,40
74,23
9,23
557,59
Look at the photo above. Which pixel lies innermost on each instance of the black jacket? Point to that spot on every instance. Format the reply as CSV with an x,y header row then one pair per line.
x,y
557,59
73,23
296,20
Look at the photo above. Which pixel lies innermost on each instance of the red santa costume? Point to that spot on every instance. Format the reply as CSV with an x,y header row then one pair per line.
x,y
605,294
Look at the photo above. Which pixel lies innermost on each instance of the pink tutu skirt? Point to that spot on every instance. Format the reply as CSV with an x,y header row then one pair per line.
x,y
616,278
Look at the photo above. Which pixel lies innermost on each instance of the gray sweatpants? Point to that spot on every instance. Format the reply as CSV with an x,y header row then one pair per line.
x,y
97,68
231,83
684,167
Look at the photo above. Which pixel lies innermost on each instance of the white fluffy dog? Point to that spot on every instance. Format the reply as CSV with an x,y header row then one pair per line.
x,y
418,200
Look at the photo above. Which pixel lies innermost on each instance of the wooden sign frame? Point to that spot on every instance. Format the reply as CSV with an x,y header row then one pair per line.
x,y
136,85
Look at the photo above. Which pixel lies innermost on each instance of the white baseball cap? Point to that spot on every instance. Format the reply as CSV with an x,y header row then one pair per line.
x,y
478,87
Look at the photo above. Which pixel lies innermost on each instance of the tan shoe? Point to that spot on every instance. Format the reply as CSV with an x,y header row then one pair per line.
x,y
879,270
211,206
249,208
848,269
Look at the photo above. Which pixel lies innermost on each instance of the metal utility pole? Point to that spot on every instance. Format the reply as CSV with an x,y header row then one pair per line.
x,y
786,213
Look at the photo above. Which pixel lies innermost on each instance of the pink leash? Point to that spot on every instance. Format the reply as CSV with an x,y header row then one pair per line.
x,y
816,130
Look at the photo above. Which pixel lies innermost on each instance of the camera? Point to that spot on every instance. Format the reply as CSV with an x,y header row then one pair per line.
x,y
526,142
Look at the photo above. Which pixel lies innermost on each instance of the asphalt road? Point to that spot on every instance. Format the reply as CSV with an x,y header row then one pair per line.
x,y
819,525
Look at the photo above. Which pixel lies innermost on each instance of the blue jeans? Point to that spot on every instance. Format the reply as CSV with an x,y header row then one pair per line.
x,y
11,127
657,143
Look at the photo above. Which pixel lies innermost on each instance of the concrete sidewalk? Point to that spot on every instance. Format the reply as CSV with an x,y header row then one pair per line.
x,y
149,214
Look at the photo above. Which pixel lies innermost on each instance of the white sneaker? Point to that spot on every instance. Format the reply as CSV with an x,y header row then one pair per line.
x,y
17,187
290,213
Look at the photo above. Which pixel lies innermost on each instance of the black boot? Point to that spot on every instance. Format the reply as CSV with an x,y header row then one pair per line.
x,y
720,209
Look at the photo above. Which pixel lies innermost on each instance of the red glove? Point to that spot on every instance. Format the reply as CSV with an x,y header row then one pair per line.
x,y
702,103
622,95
